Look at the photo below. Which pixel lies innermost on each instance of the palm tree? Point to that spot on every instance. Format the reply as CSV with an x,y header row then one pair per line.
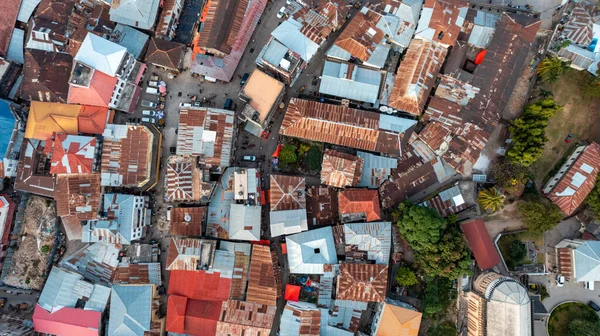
x,y
550,68
491,199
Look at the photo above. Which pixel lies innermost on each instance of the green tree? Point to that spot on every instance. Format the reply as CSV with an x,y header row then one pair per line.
x,y
288,154
581,327
422,227
491,199
517,250
446,328
593,200
565,44
529,132
313,158
507,174
550,68
540,217
438,295
406,277
45,249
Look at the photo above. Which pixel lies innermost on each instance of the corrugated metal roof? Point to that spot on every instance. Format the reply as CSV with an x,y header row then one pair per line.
x,y
309,251
287,222
244,222
322,207
374,238
578,56
579,28
300,318
130,309
288,33
187,222
126,156
349,81
16,46
359,204
447,202
445,16
239,318
144,273
275,52
190,254
362,282
96,262
262,285
587,261
361,35
287,192
376,169
480,243
26,9
136,13
101,54
130,38
340,169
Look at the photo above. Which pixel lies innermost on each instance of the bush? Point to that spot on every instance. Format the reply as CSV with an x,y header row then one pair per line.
x,y
288,154
45,249
540,217
438,295
313,159
446,328
406,277
517,250
593,200
543,293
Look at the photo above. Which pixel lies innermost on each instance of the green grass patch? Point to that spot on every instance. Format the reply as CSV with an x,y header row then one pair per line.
x,y
565,313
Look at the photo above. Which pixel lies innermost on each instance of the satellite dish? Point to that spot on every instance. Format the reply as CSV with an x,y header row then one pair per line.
x,y
187,217
383,109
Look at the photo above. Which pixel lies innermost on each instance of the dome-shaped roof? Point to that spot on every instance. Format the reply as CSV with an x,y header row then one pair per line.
x,y
509,291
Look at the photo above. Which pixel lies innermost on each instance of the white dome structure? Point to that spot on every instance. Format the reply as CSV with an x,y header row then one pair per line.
x,y
508,309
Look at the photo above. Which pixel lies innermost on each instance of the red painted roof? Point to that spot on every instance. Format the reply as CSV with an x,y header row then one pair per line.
x,y
71,154
481,244
578,181
192,317
199,285
292,292
92,119
98,94
365,201
67,321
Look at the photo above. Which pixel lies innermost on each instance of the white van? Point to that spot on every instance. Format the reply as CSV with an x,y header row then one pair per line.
x,y
148,113
589,285
152,90
153,83
149,120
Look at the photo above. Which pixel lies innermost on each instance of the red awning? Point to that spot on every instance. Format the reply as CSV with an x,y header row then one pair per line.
x,y
479,58
277,151
292,292
283,248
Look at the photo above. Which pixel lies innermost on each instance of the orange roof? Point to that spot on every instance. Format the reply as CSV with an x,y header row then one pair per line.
x,y
72,154
98,94
292,292
397,321
48,118
357,201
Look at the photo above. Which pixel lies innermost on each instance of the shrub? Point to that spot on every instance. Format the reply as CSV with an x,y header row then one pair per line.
x,y
288,154
406,277
517,250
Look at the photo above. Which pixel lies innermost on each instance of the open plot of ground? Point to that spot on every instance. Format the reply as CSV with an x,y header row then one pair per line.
x,y
580,117
526,238
565,313
37,239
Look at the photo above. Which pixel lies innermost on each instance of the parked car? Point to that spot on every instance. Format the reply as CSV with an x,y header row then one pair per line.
x,y
149,120
152,90
154,78
244,79
149,113
227,105
281,12
147,103
185,105
249,158
594,306
589,285
560,280
153,83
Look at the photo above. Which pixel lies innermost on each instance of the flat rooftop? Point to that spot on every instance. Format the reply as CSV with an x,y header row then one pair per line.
x,y
263,91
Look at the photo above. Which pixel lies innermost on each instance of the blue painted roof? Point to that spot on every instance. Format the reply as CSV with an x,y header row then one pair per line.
x,y
7,125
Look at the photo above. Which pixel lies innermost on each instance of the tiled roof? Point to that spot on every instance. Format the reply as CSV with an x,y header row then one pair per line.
x,y
340,169
46,76
362,282
183,182
322,206
579,28
96,262
361,202
262,286
9,10
190,254
577,181
480,243
287,192
199,285
67,321
239,318
126,156
208,133
340,125
222,24
416,76
187,222
361,35
145,273
164,53
48,118
98,93
71,154
442,20
78,194
56,11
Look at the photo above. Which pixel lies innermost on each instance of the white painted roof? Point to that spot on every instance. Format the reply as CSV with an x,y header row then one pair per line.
x,y
309,251
101,54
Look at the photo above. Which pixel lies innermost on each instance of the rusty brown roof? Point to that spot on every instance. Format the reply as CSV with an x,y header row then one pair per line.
x,y
46,76
133,274
435,135
129,158
9,10
361,35
287,192
417,75
55,11
182,181
362,282
222,25
78,195
90,16
360,201
187,222
307,317
579,28
164,53
239,318
443,24
189,254
168,17
339,125
340,169
31,176
262,287
322,206
241,266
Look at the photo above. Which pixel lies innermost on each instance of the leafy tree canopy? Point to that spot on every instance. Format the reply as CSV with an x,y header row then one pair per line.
x,y
593,200
313,158
550,68
288,154
422,227
438,295
517,250
406,277
446,328
540,217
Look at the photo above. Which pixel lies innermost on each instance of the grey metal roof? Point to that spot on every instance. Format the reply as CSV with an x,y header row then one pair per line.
x,y
375,238
395,124
486,19
95,262
135,13
379,56
587,261
376,169
244,222
288,222
275,52
130,310
130,38
339,53
15,48
308,251
362,84
288,33
26,9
